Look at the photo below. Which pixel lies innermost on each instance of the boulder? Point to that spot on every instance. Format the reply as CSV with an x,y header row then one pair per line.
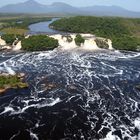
x,y
137,87
102,43
12,82
50,86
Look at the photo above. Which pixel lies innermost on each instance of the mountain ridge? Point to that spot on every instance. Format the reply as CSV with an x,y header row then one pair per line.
x,y
33,7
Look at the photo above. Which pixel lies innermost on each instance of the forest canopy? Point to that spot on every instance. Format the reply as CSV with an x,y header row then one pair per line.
x,y
39,43
124,32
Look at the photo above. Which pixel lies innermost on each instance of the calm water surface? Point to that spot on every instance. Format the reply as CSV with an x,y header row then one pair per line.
x,y
43,27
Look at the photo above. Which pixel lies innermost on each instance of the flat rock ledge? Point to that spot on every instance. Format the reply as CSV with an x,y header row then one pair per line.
x,y
8,81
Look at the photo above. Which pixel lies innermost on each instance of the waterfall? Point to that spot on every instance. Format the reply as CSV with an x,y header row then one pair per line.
x,y
110,44
9,70
2,42
63,43
15,42
17,46
89,43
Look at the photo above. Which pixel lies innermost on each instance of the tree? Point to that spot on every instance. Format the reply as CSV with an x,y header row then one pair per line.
x,y
79,40
39,43
123,32
9,38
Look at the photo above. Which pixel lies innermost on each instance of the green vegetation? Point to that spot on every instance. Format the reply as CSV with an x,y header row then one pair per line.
x,y
11,81
101,26
19,24
126,43
39,43
22,23
10,38
14,31
79,40
125,30
16,26
101,43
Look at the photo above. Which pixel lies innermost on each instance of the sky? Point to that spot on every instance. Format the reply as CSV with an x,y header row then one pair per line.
x,y
133,5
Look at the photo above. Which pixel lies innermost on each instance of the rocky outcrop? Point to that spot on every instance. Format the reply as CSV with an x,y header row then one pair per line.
x,y
104,43
137,87
5,47
12,82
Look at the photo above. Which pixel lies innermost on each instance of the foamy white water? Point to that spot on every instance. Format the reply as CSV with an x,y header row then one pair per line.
x,y
73,94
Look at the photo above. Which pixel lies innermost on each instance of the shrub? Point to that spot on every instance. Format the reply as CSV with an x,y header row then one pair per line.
x,y
20,37
123,32
102,43
39,43
126,43
79,40
11,81
100,26
9,38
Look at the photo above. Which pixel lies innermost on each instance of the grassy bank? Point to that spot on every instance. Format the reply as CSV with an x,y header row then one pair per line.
x,y
124,32
11,81
14,31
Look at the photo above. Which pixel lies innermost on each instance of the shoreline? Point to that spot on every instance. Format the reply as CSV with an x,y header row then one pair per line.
x,y
61,33
12,81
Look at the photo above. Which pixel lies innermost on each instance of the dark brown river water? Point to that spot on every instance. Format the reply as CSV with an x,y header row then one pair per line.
x,y
94,97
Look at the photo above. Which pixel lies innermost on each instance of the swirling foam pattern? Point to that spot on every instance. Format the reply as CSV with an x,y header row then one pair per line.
x,y
94,96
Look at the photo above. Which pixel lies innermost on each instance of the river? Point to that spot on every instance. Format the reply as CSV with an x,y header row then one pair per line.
x,y
73,95
43,27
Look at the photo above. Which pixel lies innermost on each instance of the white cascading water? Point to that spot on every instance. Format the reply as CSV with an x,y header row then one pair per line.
x,y
63,44
89,43
110,44
8,69
17,46
2,42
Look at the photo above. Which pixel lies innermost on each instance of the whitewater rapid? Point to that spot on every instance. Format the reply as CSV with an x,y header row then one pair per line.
x,y
89,43
94,96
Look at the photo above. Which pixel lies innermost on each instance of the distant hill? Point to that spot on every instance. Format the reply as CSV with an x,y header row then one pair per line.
x,y
33,7
110,11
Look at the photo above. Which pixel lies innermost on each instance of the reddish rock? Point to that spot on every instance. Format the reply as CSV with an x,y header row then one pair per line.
x,y
50,86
